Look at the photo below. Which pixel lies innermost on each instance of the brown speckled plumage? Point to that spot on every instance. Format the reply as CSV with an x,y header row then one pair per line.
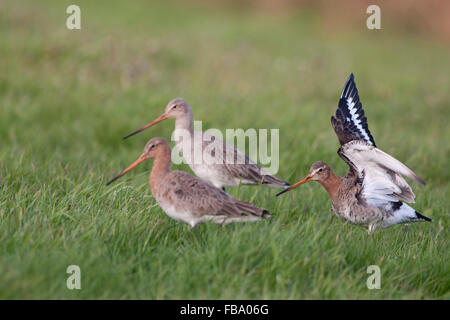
x,y
221,163
190,199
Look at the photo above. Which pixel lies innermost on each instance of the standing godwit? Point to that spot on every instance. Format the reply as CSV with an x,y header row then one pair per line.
x,y
372,191
187,198
225,166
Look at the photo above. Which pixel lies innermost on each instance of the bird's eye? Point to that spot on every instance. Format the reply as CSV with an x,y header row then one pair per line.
x,y
174,107
320,170
152,146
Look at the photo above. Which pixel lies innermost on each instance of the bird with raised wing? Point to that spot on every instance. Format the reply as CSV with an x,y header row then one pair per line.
x,y
210,158
373,192
189,199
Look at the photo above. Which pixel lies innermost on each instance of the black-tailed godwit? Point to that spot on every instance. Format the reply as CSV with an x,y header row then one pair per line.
x,y
372,192
223,165
189,199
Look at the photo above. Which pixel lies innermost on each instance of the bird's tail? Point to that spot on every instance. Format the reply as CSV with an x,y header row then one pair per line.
x,y
422,217
402,213
249,209
265,214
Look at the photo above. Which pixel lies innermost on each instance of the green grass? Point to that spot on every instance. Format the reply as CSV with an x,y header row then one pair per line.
x,y
67,98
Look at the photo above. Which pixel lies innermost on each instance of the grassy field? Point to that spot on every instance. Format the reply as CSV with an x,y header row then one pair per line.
x,y
67,98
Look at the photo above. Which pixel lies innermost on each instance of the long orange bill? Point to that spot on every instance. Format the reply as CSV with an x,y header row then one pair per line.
x,y
304,180
159,119
141,159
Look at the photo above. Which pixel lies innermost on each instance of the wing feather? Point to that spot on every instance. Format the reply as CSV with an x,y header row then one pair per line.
x,y
350,122
201,197
383,181
237,164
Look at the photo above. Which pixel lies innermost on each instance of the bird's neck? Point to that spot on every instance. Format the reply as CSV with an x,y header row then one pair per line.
x,y
185,123
332,184
161,167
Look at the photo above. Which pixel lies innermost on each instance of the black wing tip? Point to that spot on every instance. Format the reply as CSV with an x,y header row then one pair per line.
x,y
273,181
421,181
333,119
348,127
265,214
350,79
350,83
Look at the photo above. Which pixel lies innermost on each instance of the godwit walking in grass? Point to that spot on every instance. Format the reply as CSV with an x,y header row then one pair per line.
x,y
187,198
372,191
222,165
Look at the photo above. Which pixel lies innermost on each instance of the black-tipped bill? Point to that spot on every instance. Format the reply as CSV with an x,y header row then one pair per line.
x,y
138,161
282,191
159,119
304,180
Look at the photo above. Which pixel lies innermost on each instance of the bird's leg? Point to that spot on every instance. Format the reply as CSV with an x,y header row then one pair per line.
x,y
332,216
333,213
224,222
406,227
195,233
373,226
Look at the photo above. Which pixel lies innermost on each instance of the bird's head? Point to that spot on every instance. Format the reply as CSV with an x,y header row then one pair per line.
x,y
319,171
155,148
176,108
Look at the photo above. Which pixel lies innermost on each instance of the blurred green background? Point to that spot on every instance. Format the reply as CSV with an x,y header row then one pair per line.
x,y
68,96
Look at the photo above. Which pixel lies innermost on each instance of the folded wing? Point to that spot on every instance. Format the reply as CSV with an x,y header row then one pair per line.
x,y
237,164
202,198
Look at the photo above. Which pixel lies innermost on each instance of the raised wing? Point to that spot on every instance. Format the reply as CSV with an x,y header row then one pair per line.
x,y
381,174
350,122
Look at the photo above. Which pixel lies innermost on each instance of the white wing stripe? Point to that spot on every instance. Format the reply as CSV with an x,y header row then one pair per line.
x,y
356,120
